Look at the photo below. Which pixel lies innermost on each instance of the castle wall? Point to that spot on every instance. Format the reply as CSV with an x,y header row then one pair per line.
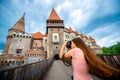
x,y
37,44
7,45
19,44
45,43
35,55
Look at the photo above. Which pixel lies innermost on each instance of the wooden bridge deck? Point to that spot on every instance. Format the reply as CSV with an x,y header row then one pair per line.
x,y
58,71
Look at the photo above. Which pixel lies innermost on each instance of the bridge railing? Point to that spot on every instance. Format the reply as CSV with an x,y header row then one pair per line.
x,y
111,59
36,71
33,71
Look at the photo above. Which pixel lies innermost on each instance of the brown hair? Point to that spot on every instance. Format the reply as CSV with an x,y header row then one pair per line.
x,y
95,64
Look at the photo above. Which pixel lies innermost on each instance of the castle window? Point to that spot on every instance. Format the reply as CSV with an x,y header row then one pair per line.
x,y
55,37
13,62
2,62
19,51
20,39
56,47
45,40
5,62
36,44
14,35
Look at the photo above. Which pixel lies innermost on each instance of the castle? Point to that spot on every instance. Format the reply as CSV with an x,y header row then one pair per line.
x,y
22,48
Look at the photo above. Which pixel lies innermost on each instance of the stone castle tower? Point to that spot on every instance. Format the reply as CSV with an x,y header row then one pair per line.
x,y
17,40
55,26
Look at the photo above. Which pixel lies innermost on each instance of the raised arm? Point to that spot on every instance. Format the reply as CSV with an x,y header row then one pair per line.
x,y
67,55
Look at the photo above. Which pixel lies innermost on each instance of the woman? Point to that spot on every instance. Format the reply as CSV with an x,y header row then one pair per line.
x,y
84,61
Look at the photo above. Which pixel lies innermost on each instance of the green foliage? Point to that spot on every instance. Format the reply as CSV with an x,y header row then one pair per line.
x,y
115,49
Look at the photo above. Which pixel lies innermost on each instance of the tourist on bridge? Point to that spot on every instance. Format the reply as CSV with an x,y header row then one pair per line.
x,y
84,62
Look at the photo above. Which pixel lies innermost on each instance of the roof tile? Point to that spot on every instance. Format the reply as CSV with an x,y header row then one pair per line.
x,y
38,35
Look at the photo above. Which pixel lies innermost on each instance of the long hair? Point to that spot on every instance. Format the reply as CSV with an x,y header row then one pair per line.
x,y
95,64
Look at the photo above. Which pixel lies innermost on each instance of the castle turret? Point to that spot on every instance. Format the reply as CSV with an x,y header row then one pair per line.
x,y
18,27
55,26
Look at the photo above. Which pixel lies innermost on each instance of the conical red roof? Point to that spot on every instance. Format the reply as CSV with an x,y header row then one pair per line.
x,y
19,26
53,15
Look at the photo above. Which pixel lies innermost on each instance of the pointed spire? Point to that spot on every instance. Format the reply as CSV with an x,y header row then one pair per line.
x,y
24,14
53,15
19,26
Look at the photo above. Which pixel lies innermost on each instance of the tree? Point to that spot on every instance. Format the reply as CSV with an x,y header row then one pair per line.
x,y
115,49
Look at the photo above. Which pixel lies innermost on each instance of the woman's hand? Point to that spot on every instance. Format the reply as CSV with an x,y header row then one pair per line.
x,y
67,55
65,43
62,49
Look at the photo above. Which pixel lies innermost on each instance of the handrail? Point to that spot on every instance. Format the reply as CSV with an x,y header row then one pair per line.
x,y
33,71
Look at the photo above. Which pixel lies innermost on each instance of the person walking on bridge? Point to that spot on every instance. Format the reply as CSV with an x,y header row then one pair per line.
x,y
84,61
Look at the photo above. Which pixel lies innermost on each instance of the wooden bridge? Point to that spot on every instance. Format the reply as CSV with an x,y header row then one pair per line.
x,y
49,70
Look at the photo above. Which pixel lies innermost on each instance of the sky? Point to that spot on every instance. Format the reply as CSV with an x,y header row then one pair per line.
x,y
97,18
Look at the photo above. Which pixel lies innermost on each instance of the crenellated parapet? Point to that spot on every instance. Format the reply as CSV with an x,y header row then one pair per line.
x,y
35,55
19,35
11,60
